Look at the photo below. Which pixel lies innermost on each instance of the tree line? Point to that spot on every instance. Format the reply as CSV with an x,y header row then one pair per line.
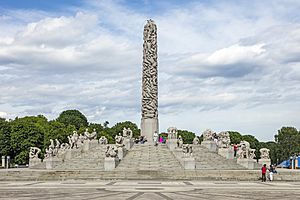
x,y
18,135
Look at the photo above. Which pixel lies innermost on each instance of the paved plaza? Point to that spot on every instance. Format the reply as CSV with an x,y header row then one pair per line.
x,y
149,190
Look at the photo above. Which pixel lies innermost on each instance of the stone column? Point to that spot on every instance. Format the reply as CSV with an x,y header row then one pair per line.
x,y
7,161
3,161
149,122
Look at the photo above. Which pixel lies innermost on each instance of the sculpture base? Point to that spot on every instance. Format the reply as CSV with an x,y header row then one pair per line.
x,y
248,163
34,162
264,161
110,163
71,153
128,142
172,144
121,152
52,162
210,145
148,127
227,153
189,163
89,144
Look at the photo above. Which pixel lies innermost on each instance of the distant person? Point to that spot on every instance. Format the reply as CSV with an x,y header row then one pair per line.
x,y
161,139
271,172
263,173
155,138
235,149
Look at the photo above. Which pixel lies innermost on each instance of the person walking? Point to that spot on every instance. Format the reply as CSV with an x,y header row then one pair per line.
x,y
235,149
263,173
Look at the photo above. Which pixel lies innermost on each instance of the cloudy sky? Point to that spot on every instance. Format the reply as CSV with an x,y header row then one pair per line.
x,y
223,65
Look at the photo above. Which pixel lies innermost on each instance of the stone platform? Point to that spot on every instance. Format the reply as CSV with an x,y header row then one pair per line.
x,y
96,175
145,189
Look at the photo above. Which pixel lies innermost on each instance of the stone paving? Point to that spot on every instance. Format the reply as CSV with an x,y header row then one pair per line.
x,y
154,190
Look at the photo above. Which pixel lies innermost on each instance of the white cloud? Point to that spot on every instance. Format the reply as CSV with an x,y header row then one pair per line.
x,y
3,114
221,66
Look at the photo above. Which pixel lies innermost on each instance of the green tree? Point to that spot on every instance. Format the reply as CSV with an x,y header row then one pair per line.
x,y
288,140
118,128
73,117
5,145
235,137
27,132
97,127
187,136
57,130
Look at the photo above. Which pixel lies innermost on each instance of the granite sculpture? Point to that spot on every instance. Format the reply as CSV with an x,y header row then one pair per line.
x,y
223,140
196,141
149,121
264,153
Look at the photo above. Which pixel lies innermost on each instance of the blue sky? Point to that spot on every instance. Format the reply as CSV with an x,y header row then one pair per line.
x,y
223,65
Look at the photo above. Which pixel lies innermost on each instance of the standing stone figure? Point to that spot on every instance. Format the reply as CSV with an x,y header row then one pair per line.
x,y
196,141
264,153
149,122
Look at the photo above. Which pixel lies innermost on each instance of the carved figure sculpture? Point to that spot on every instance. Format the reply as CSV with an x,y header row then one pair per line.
x,y
56,148
245,151
208,135
34,152
81,139
90,136
64,146
111,151
74,140
251,153
103,140
172,133
196,140
187,150
179,142
223,140
264,153
127,132
119,140
155,138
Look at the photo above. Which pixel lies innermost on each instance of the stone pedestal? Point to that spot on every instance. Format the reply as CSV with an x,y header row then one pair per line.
x,y
248,163
34,161
264,161
86,146
121,152
110,163
227,153
128,142
71,153
148,127
52,162
172,144
210,145
3,161
189,163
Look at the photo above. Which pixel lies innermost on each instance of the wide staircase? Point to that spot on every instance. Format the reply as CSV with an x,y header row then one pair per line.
x,y
211,160
90,160
145,157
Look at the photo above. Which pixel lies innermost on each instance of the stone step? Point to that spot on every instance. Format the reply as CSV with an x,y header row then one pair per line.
x,y
148,157
206,159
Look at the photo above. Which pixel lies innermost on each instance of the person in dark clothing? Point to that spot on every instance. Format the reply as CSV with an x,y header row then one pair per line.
x,y
263,173
235,149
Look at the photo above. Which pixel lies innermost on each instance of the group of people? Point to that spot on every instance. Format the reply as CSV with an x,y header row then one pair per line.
x,y
140,140
271,171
